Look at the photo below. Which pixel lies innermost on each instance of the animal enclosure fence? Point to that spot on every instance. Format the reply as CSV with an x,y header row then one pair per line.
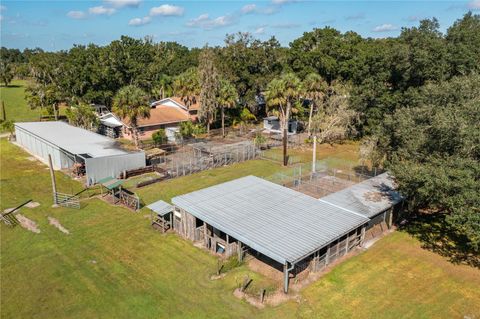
x,y
320,183
203,156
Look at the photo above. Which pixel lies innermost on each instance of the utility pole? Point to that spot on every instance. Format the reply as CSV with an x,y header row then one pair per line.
x,y
314,155
52,175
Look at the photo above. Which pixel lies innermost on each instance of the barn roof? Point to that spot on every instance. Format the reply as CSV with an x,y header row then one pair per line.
x,y
279,222
72,139
369,198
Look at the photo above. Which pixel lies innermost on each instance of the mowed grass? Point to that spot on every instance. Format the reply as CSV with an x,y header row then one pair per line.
x,y
113,265
16,106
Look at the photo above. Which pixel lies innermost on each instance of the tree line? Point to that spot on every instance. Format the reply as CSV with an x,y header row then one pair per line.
x,y
412,99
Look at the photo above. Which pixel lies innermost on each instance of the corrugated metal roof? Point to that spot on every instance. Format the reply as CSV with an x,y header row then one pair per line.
x,y
368,198
160,207
279,222
73,139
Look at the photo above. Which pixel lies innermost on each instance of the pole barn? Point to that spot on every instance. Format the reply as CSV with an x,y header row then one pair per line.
x,y
69,145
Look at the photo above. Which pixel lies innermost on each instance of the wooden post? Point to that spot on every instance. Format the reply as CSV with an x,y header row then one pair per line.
x,y
205,239
262,295
314,155
4,113
227,249
52,176
390,218
239,251
327,256
362,237
348,243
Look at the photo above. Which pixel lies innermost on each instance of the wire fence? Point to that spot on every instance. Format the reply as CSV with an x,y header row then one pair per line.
x,y
320,182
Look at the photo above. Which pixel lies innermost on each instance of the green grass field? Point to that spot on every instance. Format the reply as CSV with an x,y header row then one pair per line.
x,y
16,107
113,265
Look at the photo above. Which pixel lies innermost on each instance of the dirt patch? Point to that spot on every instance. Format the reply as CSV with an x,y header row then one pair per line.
x,y
32,204
275,299
251,300
31,159
216,277
8,210
56,223
28,224
147,216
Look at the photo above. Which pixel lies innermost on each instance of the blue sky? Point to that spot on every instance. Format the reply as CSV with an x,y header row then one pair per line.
x,y
56,25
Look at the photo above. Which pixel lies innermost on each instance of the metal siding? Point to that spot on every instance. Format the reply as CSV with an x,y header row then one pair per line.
x,y
279,222
111,166
37,147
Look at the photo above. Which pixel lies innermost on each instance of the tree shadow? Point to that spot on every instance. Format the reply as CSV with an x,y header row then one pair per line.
x,y
435,234
10,86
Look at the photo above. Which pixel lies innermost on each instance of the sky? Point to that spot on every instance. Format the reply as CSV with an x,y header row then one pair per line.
x,y
58,25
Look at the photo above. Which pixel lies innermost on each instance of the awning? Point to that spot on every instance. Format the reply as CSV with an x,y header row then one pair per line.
x,y
161,208
110,182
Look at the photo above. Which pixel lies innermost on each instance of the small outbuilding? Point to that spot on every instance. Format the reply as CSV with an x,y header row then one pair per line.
x,y
70,147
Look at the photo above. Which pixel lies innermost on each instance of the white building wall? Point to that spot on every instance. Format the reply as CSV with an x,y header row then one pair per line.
x,y
39,148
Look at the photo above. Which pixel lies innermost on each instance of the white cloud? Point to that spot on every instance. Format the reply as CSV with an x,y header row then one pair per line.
x,y
385,28
3,8
413,18
76,14
139,21
280,2
205,22
101,10
260,30
1,17
122,3
474,5
167,10
249,8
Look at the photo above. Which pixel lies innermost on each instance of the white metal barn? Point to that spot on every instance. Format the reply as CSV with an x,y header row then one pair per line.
x,y
68,145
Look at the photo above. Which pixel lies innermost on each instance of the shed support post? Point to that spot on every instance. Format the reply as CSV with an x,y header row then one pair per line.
x,y
286,274
362,237
240,251
390,218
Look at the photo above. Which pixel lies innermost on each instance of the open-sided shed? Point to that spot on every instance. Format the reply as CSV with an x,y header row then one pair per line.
x,y
280,223
69,145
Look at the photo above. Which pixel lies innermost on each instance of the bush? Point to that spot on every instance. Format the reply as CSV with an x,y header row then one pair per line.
x,y
189,129
159,137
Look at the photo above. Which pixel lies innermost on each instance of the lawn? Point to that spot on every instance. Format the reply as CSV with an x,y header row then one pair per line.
x,y
112,264
16,107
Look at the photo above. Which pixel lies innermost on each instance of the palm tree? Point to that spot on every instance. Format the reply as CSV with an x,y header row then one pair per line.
x,y
131,103
315,89
227,98
163,87
281,96
186,86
